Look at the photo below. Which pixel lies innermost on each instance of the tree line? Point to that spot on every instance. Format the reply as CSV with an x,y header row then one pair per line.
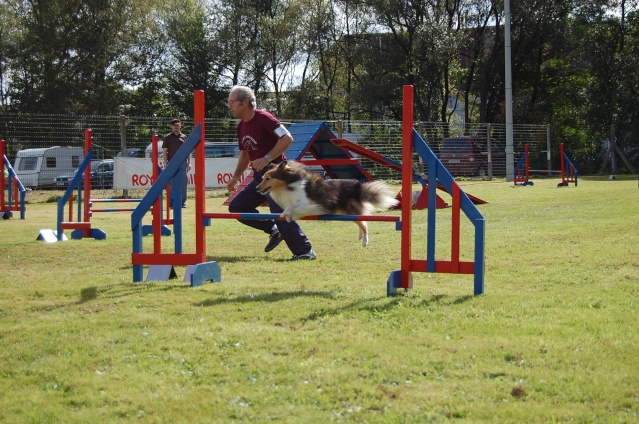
x,y
573,61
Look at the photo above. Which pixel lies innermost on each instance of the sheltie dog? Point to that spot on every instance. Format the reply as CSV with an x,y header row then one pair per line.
x,y
302,193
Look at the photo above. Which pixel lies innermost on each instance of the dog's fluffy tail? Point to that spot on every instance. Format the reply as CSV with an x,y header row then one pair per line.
x,y
378,194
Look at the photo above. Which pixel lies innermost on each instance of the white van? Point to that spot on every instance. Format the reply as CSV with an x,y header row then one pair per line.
x,y
37,168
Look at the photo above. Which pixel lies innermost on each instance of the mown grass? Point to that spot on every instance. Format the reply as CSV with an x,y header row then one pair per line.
x,y
554,338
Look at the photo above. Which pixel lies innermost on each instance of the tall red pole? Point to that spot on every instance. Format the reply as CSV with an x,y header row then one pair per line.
x,y
527,163
2,180
407,186
563,165
157,205
88,138
155,157
200,176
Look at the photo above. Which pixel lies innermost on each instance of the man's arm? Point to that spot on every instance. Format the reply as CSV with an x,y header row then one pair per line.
x,y
165,155
188,158
280,147
242,164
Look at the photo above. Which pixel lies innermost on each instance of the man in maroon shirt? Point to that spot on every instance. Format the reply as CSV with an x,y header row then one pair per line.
x,y
263,140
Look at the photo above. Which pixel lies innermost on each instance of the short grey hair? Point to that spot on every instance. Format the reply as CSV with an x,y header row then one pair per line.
x,y
243,92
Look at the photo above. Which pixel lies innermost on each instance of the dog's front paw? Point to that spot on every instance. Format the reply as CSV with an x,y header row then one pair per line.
x,y
287,215
363,237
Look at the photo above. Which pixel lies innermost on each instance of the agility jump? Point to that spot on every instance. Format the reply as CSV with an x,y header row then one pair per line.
x,y
402,278
14,201
571,175
81,224
523,171
199,271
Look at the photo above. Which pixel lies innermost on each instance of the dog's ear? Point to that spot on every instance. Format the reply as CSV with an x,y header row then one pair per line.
x,y
282,165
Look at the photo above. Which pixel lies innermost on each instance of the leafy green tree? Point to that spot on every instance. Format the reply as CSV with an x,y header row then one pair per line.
x,y
193,60
8,43
237,38
539,41
261,40
65,50
628,75
279,45
573,60
39,74
421,46
324,87
139,69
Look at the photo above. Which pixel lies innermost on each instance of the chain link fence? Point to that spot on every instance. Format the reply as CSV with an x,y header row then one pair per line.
x,y
112,133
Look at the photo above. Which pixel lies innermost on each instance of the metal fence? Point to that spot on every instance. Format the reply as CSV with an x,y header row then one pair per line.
x,y
112,133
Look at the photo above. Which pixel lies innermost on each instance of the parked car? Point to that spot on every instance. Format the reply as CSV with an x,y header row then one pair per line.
x,y
211,150
468,156
132,152
101,175
63,180
221,150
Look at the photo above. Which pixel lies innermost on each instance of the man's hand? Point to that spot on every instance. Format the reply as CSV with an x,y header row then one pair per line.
x,y
260,164
231,184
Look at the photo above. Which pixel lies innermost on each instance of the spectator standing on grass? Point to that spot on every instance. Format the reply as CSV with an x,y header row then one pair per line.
x,y
172,143
263,140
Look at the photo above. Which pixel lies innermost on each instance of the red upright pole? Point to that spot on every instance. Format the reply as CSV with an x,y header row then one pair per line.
x,y
526,164
70,219
200,176
407,186
455,226
157,205
563,165
16,205
3,183
88,138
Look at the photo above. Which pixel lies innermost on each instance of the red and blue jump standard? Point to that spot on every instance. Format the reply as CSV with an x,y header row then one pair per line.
x,y
15,200
437,173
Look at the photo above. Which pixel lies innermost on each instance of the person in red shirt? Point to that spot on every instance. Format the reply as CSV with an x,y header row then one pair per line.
x,y
263,140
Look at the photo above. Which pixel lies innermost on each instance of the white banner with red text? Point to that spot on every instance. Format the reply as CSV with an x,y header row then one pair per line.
x,y
134,173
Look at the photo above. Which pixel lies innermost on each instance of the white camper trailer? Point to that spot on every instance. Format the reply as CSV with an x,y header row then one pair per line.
x,y
37,168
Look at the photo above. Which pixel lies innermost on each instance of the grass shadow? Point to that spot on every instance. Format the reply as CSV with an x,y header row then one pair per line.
x,y
463,299
366,305
234,259
361,305
220,259
88,293
127,289
266,297
442,299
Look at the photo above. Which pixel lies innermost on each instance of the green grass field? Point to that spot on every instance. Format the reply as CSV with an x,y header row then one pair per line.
x,y
554,338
